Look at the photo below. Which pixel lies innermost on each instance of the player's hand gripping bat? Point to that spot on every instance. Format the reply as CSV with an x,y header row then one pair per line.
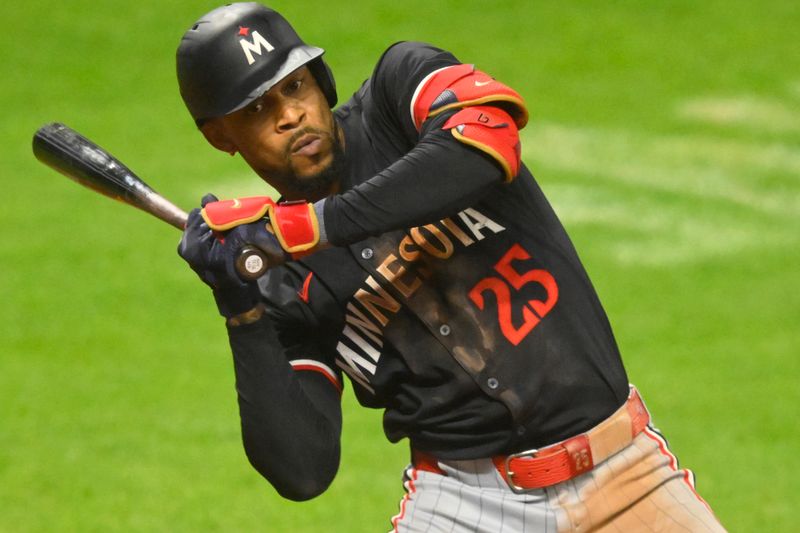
x,y
79,159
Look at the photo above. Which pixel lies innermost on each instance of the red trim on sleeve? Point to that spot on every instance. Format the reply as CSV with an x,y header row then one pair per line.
x,y
316,366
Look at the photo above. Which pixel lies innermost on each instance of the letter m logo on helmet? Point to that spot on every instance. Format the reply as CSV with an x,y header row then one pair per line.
x,y
255,47
214,77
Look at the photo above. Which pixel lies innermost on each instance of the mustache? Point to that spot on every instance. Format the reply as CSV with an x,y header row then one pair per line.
x,y
287,152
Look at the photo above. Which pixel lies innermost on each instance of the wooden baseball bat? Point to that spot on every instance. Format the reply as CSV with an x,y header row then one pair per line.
x,y
81,160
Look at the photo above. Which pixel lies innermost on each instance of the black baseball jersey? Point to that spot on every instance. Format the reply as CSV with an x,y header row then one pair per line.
x,y
452,300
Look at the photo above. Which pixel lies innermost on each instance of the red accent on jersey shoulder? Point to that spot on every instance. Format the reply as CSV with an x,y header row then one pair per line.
x,y
432,87
463,86
491,130
303,293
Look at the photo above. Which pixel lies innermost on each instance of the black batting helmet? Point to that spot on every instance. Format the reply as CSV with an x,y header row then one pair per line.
x,y
237,52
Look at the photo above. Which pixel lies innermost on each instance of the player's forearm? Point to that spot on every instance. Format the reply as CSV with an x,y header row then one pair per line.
x,y
438,178
291,421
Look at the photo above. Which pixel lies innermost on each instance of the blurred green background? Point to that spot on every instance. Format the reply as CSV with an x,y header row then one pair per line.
x,y
666,134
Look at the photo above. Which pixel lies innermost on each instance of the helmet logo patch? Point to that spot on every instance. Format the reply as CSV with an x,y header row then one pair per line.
x,y
244,31
259,43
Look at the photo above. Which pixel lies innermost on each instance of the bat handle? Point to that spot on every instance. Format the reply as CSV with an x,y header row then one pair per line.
x,y
251,263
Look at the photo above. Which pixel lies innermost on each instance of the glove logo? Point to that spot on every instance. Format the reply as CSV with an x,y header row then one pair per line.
x,y
303,293
256,46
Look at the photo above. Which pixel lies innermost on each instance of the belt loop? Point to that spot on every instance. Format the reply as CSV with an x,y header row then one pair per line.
x,y
640,417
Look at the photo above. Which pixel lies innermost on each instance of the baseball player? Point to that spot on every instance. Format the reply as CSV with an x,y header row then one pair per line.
x,y
412,251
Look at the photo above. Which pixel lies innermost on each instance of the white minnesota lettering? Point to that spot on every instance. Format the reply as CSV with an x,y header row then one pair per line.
x,y
355,375
348,361
476,221
361,341
357,319
366,348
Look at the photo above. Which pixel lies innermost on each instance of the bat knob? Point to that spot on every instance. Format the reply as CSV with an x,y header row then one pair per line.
x,y
251,263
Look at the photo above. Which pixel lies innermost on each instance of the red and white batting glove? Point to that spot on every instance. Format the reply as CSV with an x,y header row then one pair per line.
x,y
293,224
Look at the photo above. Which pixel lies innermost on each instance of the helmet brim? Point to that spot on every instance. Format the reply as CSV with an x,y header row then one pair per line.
x,y
297,57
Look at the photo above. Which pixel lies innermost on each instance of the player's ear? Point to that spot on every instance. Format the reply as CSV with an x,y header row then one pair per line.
x,y
215,134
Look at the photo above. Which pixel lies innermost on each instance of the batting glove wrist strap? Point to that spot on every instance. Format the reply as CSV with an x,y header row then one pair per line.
x,y
295,225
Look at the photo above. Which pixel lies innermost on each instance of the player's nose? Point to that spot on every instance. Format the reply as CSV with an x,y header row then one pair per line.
x,y
291,116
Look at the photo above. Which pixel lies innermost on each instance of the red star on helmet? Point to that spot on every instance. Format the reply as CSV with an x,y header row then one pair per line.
x,y
244,31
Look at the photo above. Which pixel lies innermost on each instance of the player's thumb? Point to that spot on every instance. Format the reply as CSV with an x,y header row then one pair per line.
x,y
207,199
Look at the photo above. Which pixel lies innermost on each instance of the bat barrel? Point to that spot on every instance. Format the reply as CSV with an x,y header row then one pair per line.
x,y
79,159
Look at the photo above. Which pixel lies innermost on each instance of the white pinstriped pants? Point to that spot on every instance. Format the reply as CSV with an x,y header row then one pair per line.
x,y
640,488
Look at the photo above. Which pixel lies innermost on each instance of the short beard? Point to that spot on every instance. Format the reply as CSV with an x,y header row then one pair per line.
x,y
316,185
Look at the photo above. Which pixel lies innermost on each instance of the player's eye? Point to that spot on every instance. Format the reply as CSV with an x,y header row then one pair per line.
x,y
255,107
293,86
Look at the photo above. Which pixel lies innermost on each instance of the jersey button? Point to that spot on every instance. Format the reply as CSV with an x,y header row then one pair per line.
x,y
444,329
520,430
492,383
367,253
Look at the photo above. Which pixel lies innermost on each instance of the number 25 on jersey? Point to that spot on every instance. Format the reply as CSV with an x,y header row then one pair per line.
x,y
509,279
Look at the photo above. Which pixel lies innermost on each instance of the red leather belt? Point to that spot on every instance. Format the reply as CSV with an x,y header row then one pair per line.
x,y
536,469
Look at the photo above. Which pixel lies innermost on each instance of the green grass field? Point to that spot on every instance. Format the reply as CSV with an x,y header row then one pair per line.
x,y
666,134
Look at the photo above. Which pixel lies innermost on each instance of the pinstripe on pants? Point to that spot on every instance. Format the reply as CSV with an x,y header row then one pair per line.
x,y
640,488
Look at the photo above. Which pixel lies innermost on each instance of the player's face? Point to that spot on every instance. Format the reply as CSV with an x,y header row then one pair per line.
x,y
289,136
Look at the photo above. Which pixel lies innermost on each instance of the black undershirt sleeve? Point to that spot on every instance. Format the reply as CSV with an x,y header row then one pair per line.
x,y
291,420
437,178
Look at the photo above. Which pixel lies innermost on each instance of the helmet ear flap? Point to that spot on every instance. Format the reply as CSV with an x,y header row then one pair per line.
x,y
322,73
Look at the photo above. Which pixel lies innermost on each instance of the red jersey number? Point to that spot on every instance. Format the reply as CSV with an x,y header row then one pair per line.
x,y
533,312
